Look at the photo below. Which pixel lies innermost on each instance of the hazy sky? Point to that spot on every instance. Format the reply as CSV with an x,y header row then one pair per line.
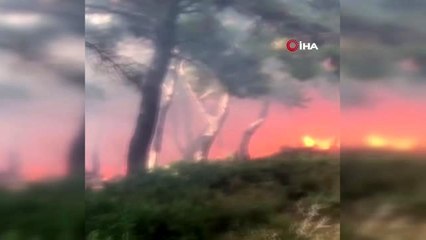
x,y
387,111
41,97
41,105
110,121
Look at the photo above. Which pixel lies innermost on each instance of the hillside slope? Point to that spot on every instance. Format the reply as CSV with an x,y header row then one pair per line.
x,y
276,198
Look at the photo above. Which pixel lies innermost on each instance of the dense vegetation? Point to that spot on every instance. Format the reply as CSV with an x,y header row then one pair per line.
x,y
48,211
288,196
383,195
295,195
274,198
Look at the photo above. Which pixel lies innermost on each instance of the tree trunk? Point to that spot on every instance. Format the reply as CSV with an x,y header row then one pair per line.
x,y
215,125
187,118
193,144
168,93
199,148
76,157
182,126
243,149
151,93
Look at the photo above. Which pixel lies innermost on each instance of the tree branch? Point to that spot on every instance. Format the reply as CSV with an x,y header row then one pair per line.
x,y
196,100
122,69
243,149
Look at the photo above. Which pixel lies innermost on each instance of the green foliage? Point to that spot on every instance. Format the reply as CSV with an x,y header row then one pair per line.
x,y
386,184
302,68
236,69
379,174
235,55
366,62
43,211
223,201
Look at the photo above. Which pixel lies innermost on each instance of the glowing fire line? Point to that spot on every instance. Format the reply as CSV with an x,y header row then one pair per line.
x,y
320,144
376,141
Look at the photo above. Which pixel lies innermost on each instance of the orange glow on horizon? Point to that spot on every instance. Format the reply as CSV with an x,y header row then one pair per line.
x,y
376,141
320,144
403,144
395,122
308,141
313,127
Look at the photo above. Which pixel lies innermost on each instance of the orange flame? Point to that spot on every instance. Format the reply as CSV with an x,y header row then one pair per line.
x,y
317,143
403,144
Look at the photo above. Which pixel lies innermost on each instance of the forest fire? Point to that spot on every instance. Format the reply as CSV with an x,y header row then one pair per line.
x,y
185,119
319,143
402,144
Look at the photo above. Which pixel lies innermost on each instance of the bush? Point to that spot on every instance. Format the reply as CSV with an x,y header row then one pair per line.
x,y
213,200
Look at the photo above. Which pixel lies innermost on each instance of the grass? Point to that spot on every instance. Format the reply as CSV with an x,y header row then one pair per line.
x,y
383,195
265,199
293,195
48,211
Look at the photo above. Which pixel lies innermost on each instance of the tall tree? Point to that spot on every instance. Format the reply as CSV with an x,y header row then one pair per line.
x,y
177,29
167,98
243,148
165,41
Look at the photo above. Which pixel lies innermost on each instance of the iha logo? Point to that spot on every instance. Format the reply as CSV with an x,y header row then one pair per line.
x,y
294,45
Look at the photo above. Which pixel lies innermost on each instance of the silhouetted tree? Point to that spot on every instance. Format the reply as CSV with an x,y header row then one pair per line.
x,y
177,29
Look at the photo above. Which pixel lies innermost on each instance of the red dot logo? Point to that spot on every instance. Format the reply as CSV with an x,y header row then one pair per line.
x,y
292,45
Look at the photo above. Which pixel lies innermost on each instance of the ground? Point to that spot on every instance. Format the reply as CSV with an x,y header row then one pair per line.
x,y
293,195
